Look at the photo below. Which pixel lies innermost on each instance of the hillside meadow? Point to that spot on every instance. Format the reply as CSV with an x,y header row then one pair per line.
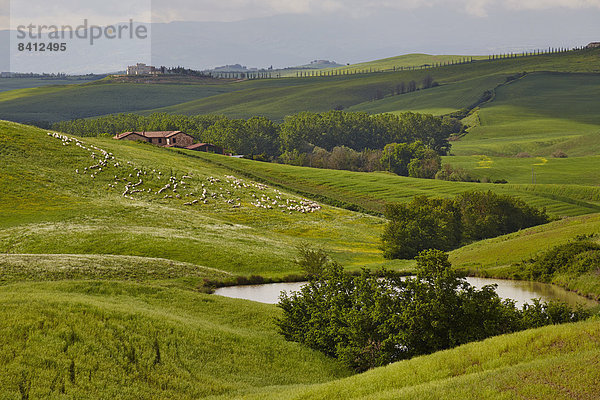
x,y
108,249
276,98
102,278
90,340
538,114
51,204
371,191
558,362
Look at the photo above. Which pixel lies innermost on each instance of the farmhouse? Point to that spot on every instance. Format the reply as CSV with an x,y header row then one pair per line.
x,y
163,138
207,147
142,69
593,45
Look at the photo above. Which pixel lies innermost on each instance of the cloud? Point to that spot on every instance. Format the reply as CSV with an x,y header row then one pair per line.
x,y
545,4
210,10
203,10
111,11
477,8
73,12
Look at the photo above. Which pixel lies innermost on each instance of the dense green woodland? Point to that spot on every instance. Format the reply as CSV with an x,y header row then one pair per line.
x,y
299,132
336,139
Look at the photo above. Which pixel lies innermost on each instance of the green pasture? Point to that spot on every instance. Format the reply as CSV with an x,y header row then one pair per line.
x,y
49,208
555,362
277,98
92,340
373,190
539,114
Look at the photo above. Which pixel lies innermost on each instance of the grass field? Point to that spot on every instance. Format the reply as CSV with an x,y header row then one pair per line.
x,y
101,294
49,208
357,92
438,100
277,98
372,190
404,61
407,60
539,170
91,340
57,103
539,114
556,362
7,84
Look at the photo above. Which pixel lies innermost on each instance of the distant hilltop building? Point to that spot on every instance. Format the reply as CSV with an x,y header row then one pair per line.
x,y
142,69
593,45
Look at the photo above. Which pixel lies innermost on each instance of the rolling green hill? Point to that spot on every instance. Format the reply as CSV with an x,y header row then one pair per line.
x,y
528,170
50,204
357,92
7,84
277,98
92,340
102,278
540,113
439,100
403,61
557,362
372,190
57,103
407,60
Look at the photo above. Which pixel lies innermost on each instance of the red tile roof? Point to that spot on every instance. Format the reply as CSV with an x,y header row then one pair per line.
x,y
125,134
160,134
200,145
151,134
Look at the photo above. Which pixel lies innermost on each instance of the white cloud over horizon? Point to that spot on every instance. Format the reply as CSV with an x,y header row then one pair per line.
x,y
235,10
111,11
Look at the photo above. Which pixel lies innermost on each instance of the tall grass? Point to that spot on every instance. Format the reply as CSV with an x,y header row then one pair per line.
x,y
84,340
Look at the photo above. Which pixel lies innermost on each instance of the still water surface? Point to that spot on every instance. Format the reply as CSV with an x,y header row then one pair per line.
x,y
520,291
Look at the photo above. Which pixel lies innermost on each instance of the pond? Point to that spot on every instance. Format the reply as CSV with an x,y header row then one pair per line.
x,y
520,291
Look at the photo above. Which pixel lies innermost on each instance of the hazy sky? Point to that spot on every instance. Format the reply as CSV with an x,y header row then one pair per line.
x,y
110,11
293,32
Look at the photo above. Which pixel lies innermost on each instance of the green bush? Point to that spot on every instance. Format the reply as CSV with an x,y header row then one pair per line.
x,y
577,257
446,224
372,320
421,224
487,214
454,174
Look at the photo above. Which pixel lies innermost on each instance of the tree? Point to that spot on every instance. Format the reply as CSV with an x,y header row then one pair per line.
x,y
412,87
419,225
397,156
428,82
426,167
311,261
429,223
371,320
487,214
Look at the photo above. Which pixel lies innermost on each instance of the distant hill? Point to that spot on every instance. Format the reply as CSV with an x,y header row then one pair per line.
x,y
320,64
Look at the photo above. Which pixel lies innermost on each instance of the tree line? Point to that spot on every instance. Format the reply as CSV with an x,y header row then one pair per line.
x,y
297,140
446,224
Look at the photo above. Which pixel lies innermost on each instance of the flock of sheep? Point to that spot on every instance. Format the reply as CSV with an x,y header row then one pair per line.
x,y
232,191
